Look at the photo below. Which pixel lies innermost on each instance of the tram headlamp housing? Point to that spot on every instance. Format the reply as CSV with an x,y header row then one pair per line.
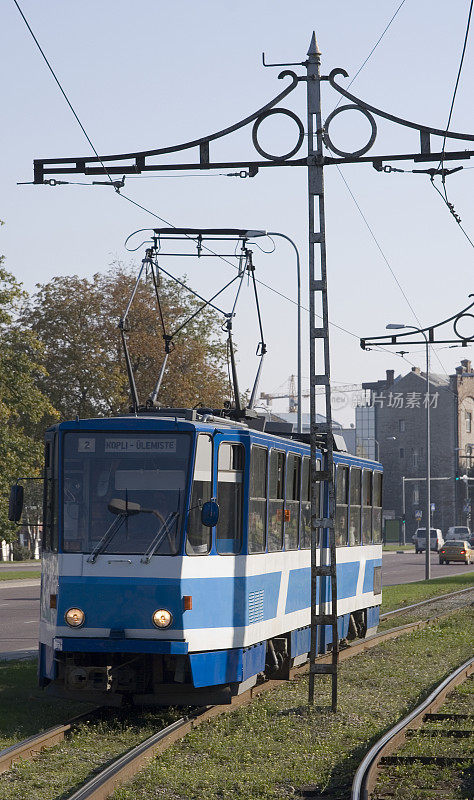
x,y
75,617
162,618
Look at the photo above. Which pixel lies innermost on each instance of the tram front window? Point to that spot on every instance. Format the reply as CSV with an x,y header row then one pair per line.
x,y
107,475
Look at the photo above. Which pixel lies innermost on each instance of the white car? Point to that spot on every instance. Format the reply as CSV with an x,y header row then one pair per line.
x,y
458,532
436,539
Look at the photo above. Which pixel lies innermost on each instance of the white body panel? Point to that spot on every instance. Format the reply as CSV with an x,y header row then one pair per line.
x,y
188,568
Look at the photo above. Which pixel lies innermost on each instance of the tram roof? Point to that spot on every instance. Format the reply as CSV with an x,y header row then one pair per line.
x,y
195,419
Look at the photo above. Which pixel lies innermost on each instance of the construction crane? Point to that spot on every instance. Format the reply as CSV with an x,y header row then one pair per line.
x,y
292,396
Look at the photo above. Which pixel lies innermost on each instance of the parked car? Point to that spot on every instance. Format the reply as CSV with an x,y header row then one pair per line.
x,y
458,532
456,550
436,539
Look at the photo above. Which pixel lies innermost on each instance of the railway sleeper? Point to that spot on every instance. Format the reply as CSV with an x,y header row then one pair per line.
x,y
441,761
451,715
434,733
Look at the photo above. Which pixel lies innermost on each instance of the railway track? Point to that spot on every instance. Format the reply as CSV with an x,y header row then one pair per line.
x,y
416,727
436,598
124,768
31,746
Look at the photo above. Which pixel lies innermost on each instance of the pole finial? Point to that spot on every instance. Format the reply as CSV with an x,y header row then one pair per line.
x,y
314,47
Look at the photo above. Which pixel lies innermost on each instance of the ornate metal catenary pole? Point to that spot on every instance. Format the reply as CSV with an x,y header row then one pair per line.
x,y
430,335
319,376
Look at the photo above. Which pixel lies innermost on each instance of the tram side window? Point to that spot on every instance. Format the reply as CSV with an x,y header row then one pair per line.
x,y
292,506
354,513
377,508
257,500
366,506
198,541
305,534
50,497
230,494
342,503
276,501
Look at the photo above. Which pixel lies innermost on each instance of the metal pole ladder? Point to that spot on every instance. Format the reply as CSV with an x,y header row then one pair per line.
x,y
324,572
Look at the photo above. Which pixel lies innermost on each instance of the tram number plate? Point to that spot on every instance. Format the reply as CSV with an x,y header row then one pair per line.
x,y
86,445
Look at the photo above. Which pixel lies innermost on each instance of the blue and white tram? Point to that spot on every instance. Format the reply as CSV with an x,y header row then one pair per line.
x,y
140,600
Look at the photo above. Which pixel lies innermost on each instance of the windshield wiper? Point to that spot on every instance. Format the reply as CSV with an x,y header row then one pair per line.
x,y
124,509
107,538
163,531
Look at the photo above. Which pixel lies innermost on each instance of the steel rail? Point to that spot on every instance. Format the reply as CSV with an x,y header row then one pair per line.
x,y
389,614
102,785
40,741
126,766
366,775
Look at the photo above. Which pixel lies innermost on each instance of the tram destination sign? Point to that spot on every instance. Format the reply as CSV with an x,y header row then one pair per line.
x,y
140,445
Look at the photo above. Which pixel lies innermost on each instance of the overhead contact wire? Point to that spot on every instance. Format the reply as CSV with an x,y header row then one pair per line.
x,y
372,51
466,36
63,92
444,193
152,213
387,262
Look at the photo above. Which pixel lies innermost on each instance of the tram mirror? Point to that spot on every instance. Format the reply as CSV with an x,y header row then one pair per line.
x,y
210,513
119,506
15,505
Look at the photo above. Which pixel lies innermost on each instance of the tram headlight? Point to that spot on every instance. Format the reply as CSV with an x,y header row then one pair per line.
x,y
75,617
162,618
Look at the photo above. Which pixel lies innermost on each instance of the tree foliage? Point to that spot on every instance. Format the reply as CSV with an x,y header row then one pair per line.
x,y
23,406
76,320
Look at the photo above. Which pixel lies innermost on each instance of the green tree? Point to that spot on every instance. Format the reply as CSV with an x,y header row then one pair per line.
x,y
76,320
23,406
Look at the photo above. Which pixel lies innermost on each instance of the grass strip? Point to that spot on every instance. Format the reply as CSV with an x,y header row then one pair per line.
x,y
419,781
275,748
404,594
62,769
393,548
15,576
24,709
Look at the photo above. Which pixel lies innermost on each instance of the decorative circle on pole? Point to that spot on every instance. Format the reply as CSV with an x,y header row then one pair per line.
x,y
288,113
460,335
347,107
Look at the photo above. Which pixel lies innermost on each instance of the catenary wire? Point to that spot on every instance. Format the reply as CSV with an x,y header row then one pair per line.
x,y
444,198
62,90
444,193
147,210
379,248
387,262
372,51
458,77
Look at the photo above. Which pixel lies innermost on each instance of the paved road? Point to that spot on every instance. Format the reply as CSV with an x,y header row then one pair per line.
x,y
19,566
410,566
19,613
19,600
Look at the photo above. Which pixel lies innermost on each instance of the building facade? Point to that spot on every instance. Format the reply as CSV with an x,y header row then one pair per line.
x,y
392,428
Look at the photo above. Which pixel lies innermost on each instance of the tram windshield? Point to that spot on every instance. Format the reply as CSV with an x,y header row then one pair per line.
x,y
124,493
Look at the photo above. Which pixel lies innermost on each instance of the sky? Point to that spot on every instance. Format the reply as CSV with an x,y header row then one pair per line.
x,y
155,73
